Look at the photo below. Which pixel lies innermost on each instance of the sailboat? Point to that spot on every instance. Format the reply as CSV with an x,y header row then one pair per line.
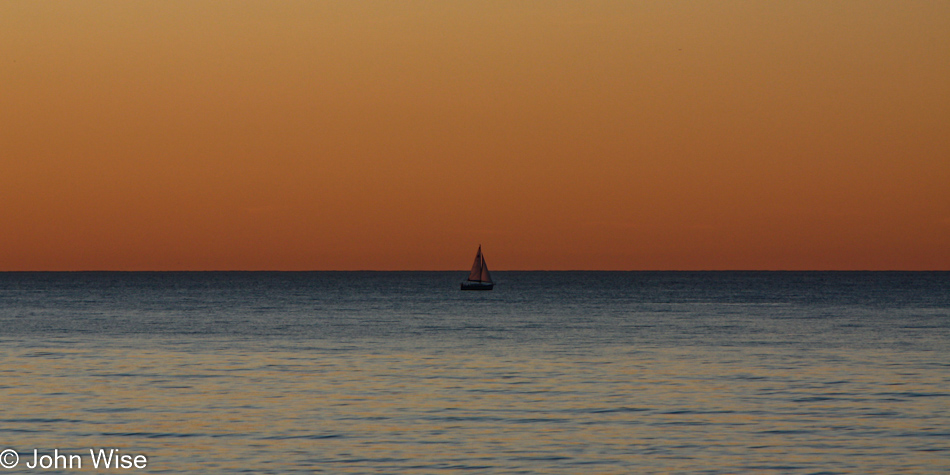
x,y
478,278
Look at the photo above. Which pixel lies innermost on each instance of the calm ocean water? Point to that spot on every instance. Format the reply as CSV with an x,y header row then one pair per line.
x,y
552,372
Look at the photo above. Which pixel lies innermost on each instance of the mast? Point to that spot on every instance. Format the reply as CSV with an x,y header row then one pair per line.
x,y
476,274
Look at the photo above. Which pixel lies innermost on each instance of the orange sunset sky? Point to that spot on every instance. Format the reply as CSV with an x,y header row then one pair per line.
x,y
310,135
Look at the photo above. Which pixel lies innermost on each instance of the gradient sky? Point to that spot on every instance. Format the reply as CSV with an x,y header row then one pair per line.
x,y
299,135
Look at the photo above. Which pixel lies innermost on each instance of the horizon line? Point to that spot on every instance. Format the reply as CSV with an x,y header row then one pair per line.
x,y
459,270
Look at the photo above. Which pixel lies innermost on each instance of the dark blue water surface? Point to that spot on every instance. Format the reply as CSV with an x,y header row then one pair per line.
x,y
551,372
577,309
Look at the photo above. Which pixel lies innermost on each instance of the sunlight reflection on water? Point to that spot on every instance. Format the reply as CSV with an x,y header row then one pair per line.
x,y
622,410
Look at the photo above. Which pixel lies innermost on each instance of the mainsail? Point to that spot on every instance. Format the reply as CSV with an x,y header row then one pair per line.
x,y
479,271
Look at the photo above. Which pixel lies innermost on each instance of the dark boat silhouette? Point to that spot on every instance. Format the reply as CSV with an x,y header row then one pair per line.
x,y
478,278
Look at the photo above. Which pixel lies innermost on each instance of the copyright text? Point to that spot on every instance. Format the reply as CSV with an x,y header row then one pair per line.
x,y
98,459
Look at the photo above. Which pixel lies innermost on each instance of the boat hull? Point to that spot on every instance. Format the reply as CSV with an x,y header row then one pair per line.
x,y
477,285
